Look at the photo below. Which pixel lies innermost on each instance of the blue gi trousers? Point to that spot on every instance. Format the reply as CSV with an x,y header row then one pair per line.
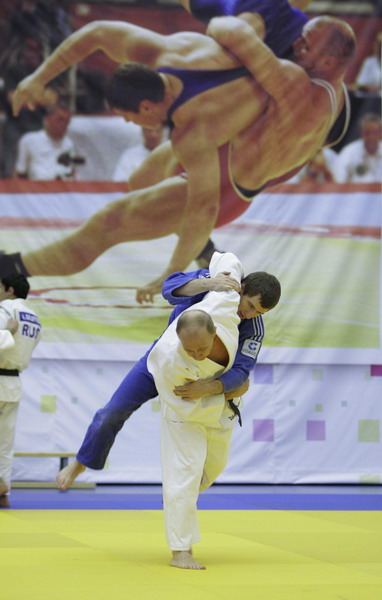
x,y
137,387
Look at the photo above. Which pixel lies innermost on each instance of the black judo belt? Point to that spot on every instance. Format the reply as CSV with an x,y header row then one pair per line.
x,y
9,372
236,411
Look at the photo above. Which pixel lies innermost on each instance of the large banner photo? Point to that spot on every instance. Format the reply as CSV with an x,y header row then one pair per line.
x,y
93,206
324,246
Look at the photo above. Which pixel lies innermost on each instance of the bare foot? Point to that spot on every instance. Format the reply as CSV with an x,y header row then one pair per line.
x,y
184,560
3,487
67,475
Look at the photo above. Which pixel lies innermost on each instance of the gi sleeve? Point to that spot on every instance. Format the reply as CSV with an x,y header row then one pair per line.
x,y
176,280
251,335
6,338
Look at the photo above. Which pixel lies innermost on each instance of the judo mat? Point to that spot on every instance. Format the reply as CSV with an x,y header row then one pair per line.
x,y
253,550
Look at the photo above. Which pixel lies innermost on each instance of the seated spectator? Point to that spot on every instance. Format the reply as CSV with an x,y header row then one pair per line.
x,y
361,161
369,76
44,20
133,157
319,169
48,153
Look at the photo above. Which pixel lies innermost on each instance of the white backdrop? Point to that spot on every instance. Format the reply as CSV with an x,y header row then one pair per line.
x,y
322,243
313,413
302,424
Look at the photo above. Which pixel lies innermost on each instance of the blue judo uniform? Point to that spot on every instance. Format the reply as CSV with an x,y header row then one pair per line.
x,y
283,23
138,386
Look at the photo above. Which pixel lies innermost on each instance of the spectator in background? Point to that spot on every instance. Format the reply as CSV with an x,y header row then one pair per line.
x,y
28,58
369,76
48,153
319,169
44,20
361,161
133,157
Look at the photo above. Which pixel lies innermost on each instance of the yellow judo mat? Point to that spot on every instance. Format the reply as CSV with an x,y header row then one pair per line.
x,y
249,555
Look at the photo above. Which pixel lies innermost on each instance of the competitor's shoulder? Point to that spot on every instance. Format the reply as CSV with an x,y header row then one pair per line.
x,y
252,328
287,77
7,305
23,307
251,335
294,72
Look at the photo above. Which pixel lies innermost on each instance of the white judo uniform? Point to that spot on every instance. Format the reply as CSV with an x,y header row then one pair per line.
x,y
195,435
15,354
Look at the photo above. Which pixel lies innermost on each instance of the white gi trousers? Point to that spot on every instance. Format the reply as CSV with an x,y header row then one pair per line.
x,y
10,387
192,457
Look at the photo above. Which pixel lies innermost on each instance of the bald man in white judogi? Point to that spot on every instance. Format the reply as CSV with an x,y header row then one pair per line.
x,y
195,435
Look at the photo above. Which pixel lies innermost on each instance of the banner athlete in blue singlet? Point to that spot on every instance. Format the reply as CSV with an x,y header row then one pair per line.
x,y
267,124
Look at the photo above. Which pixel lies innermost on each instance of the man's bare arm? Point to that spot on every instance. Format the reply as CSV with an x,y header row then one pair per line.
x,y
240,38
200,160
122,42
200,389
201,163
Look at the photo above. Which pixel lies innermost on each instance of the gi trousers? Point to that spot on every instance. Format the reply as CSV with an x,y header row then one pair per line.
x,y
192,456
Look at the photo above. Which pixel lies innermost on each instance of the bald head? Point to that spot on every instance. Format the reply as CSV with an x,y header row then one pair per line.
x,y
196,332
193,320
339,40
325,48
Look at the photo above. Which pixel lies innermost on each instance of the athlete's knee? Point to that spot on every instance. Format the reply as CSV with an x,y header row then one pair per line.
x,y
211,472
208,479
110,218
160,164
